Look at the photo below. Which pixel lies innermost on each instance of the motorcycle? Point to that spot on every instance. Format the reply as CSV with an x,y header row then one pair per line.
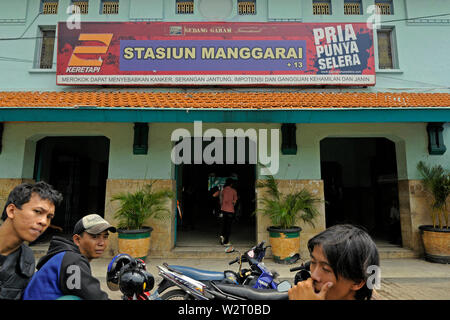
x,y
258,276
191,289
129,275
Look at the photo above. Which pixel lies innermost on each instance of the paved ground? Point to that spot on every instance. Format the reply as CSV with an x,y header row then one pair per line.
x,y
401,279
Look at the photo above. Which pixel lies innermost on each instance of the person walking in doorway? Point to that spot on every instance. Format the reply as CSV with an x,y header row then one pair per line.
x,y
228,198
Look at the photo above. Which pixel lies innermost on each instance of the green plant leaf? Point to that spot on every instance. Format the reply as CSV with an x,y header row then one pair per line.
x,y
284,209
436,181
135,208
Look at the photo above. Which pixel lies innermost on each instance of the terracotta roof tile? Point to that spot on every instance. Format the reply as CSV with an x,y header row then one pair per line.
x,y
227,100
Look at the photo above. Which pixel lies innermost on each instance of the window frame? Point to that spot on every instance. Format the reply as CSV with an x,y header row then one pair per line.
x,y
102,2
253,2
41,7
187,1
393,46
361,9
74,3
39,48
328,2
390,2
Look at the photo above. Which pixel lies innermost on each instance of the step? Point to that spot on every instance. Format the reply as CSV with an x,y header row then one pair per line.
x,y
387,251
201,252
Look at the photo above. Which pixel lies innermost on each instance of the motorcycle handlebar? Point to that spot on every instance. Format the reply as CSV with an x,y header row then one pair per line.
x,y
306,266
296,268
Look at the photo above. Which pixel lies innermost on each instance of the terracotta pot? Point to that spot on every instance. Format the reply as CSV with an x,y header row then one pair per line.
x,y
436,242
285,244
136,243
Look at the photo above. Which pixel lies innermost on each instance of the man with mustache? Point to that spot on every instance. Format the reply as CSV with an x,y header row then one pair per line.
x,y
66,270
28,212
341,258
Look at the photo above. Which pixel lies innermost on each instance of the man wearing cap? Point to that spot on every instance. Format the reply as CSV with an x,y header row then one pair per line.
x,y
65,269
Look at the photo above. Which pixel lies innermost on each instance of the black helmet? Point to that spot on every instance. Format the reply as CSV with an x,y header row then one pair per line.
x,y
114,268
303,274
135,281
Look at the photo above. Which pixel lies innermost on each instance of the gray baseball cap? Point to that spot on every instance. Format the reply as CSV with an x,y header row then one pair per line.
x,y
93,224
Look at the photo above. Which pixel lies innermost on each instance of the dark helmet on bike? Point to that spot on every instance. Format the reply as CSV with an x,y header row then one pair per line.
x,y
114,268
135,281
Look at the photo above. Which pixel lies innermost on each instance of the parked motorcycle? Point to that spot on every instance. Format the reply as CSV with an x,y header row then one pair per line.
x,y
257,276
191,289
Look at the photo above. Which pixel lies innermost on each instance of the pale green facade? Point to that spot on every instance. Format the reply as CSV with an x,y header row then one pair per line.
x,y
19,147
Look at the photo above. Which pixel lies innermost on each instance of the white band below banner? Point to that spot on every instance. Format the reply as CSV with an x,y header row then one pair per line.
x,y
205,80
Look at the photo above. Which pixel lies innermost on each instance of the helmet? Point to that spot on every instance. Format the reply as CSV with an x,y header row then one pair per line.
x,y
135,281
114,268
303,274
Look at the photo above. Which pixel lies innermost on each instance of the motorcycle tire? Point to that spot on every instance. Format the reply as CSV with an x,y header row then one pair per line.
x,y
176,294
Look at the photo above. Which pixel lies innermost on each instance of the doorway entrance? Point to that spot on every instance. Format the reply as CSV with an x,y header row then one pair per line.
x,y
78,168
360,185
197,224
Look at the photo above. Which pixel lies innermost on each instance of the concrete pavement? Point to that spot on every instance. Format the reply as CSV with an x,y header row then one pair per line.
x,y
401,279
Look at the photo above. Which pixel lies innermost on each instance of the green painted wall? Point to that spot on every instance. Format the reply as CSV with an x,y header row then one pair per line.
x,y
421,45
19,141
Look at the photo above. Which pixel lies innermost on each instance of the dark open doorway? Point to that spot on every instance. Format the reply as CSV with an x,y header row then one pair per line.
x,y
198,226
360,184
78,168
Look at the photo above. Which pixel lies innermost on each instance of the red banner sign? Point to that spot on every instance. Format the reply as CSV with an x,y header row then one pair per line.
x,y
211,53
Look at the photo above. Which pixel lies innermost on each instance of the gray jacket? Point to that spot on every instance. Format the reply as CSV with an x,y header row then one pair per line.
x,y
16,270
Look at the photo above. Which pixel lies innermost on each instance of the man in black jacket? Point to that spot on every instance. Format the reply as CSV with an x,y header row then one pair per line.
x,y
27,214
65,270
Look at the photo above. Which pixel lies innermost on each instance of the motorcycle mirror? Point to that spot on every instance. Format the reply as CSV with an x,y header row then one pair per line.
x,y
284,286
113,286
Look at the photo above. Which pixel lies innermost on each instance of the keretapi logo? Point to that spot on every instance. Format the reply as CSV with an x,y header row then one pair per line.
x,y
78,64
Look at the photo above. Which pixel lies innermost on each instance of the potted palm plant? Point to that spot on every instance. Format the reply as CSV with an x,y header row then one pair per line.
x,y
436,237
284,210
135,209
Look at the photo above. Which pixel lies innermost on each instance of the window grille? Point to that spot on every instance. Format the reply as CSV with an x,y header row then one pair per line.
x,y
50,7
385,56
321,8
47,48
351,8
385,7
110,7
246,7
185,7
83,5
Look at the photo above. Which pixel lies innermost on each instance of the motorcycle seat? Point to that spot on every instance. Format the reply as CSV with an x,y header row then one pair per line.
x,y
252,293
198,274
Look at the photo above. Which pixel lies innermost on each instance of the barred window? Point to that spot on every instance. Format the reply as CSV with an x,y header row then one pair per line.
x,y
45,48
185,7
352,7
49,6
385,6
246,7
83,5
110,7
385,52
321,7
